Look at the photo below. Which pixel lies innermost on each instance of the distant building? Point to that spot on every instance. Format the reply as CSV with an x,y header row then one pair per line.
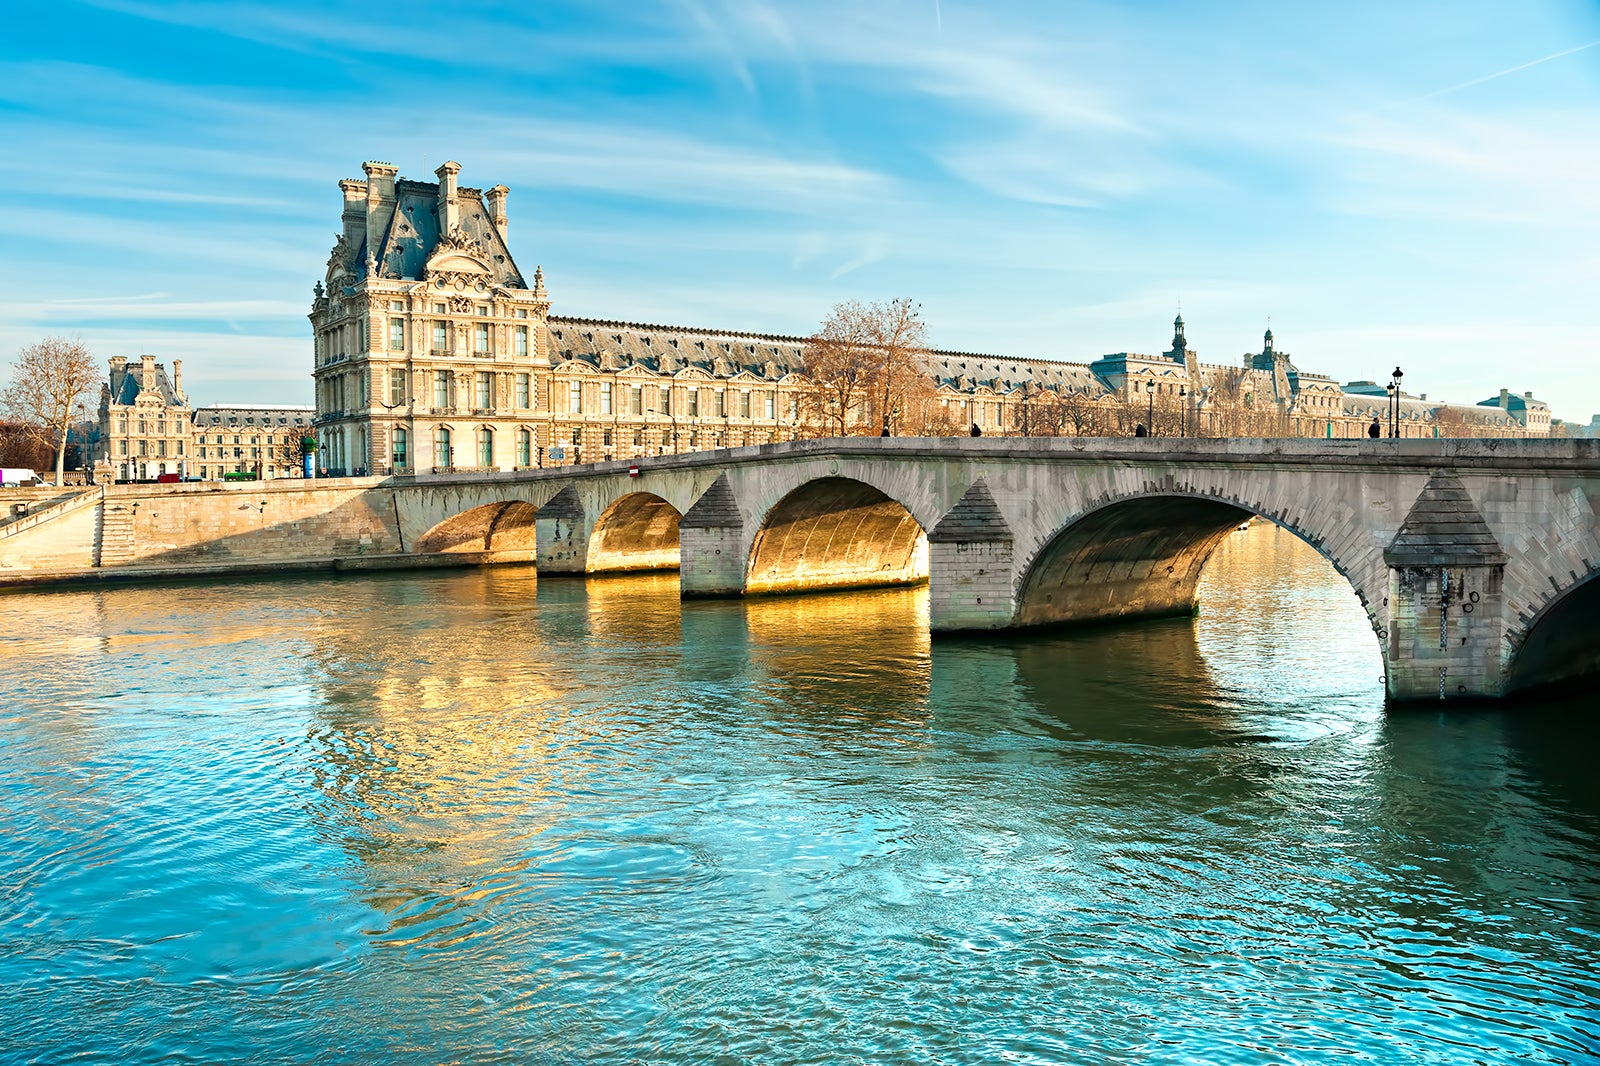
x,y
432,351
144,419
263,439
1532,415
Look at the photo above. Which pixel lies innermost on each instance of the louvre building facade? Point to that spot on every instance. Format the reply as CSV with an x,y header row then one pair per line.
x,y
434,351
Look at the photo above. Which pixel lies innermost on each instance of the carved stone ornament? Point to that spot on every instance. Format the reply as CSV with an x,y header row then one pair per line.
x,y
460,305
456,240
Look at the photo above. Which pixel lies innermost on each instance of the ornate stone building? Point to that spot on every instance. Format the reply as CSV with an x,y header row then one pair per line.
x,y
433,351
144,419
261,440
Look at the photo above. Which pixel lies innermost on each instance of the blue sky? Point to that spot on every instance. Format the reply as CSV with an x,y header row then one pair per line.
x,y
1413,184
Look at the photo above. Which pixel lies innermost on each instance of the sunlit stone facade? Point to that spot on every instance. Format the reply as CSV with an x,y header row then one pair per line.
x,y
433,351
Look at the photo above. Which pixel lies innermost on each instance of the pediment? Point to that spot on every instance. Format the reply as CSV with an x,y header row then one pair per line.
x,y
693,373
634,370
748,378
578,366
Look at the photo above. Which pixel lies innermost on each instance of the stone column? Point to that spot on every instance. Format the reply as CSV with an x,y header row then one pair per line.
x,y
970,568
711,547
561,535
1445,604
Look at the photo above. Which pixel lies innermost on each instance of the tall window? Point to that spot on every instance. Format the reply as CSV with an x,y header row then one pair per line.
x,y
744,404
722,404
397,387
666,399
441,389
575,396
522,392
484,391
441,336
694,403
441,446
770,406
522,340
638,400
397,334
605,397
400,442
524,448
480,337
485,446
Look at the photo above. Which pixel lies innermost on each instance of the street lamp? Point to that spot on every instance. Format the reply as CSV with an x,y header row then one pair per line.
x,y
1150,414
1394,402
1183,407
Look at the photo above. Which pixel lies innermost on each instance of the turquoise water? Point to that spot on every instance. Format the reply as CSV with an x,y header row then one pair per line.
x,y
466,816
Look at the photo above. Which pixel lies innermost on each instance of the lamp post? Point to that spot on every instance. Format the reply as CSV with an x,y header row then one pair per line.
x,y
1394,402
1150,413
1183,407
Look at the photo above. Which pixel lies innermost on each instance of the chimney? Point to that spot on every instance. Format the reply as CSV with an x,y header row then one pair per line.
x,y
177,381
449,204
380,202
1527,395
497,208
1505,399
355,212
147,373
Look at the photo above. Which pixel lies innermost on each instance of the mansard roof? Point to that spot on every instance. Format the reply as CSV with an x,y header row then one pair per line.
x,y
260,414
413,234
725,353
125,385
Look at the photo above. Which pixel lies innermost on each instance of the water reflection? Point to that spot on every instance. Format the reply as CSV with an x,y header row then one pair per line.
x,y
473,816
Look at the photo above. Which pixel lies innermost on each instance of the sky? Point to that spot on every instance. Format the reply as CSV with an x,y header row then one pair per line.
x,y
1386,184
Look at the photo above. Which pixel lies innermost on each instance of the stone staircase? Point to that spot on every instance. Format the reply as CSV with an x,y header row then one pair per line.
x,y
114,539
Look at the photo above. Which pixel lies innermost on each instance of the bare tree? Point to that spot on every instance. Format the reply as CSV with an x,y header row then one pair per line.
x,y
50,381
865,370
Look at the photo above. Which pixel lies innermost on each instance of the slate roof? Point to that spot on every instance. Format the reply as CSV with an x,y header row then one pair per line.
x,y
262,415
611,344
125,388
412,234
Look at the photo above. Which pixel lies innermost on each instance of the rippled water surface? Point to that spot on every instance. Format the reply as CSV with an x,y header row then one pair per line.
x,y
466,816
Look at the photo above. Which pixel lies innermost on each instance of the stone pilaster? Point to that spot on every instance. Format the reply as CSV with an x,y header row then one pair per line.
x,y
1445,604
970,568
561,535
711,548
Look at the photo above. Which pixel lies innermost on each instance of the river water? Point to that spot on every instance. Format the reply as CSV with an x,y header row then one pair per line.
x,y
467,816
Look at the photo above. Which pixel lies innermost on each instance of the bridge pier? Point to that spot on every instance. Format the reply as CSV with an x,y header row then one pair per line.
x,y
970,566
711,547
1446,608
561,535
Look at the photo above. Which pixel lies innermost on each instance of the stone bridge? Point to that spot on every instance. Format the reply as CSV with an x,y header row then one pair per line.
x,y
1475,559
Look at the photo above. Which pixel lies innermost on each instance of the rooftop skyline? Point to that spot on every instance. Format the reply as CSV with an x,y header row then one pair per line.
x,y
1388,187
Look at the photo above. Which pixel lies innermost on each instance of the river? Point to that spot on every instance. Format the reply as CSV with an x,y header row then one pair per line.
x,y
469,816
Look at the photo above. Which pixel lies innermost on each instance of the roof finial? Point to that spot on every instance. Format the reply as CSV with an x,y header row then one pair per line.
x,y
538,283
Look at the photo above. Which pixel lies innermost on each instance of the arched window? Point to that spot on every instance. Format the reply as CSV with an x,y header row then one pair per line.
x,y
401,442
524,448
441,447
485,446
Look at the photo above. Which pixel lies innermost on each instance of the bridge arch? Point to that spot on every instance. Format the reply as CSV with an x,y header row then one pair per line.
x,y
638,531
504,525
1560,643
1142,556
836,532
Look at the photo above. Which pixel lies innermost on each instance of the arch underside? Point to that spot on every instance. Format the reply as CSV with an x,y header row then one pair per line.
x,y
1138,558
493,527
638,532
836,533
1564,643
